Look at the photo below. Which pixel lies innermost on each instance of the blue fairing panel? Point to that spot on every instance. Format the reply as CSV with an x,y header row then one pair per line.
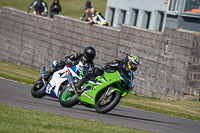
x,y
74,69
53,93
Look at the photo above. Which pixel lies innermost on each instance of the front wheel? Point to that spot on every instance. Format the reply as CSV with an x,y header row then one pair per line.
x,y
68,99
105,104
37,90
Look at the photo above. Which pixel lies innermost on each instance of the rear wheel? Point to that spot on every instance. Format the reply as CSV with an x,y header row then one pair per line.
x,y
107,103
68,98
37,90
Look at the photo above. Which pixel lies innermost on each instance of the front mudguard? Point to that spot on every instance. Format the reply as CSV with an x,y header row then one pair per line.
x,y
67,99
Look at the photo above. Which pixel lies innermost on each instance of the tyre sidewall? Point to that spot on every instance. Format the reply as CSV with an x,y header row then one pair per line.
x,y
68,103
37,93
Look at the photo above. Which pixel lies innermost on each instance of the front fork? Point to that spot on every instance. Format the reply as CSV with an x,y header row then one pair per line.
x,y
43,72
71,82
44,81
110,91
107,95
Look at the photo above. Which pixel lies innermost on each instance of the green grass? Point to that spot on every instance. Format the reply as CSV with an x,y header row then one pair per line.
x,y
74,8
186,109
17,120
18,72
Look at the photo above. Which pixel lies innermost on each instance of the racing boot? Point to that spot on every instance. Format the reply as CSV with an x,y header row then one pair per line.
x,y
58,66
48,74
78,84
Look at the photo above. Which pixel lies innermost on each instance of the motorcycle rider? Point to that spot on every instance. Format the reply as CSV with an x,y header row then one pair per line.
x,y
86,58
127,65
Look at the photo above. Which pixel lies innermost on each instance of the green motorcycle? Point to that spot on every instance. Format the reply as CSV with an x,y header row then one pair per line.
x,y
102,92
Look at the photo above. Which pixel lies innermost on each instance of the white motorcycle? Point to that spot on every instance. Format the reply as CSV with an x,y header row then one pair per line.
x,y
57,82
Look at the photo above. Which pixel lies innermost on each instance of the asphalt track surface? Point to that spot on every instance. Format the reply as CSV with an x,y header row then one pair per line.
x,y
19,95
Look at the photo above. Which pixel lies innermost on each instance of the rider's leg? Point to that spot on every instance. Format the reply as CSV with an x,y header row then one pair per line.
x,y
58,66
49,74
78,84
95,71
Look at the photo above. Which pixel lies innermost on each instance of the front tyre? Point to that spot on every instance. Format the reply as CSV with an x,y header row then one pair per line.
x,y
37,90
104,105
67,99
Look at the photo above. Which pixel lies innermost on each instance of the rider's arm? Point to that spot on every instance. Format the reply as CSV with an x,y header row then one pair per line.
x,y
132,76
31,6
94,19
111,66
45,9
92,64
72,59
58,66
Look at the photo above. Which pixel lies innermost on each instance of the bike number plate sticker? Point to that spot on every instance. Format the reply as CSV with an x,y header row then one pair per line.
x,y
48,90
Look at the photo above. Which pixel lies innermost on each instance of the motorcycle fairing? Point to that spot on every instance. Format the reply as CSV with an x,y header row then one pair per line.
x,y
97,84
58,78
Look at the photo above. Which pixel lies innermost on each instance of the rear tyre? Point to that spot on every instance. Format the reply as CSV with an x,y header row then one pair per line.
x,y
37,89
105,105
68,99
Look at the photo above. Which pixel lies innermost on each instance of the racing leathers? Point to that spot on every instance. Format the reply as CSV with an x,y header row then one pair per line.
x,y
98,18
110,67
118,65
71,60
40,8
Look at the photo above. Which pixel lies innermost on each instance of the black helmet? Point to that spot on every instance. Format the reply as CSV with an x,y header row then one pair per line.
x,y
89,53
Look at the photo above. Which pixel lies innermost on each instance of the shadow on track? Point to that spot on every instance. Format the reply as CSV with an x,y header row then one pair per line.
x,y
92,110
141,119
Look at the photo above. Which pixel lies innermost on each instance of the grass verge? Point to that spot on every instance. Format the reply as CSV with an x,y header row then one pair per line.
x,y
17,120
186,109
18,72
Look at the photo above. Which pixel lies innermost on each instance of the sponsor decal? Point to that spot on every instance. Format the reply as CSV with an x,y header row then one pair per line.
x,y
68,72
85,94
48,89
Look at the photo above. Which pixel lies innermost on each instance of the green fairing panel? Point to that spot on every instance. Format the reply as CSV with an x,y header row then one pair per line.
x,y
123,91
98,84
